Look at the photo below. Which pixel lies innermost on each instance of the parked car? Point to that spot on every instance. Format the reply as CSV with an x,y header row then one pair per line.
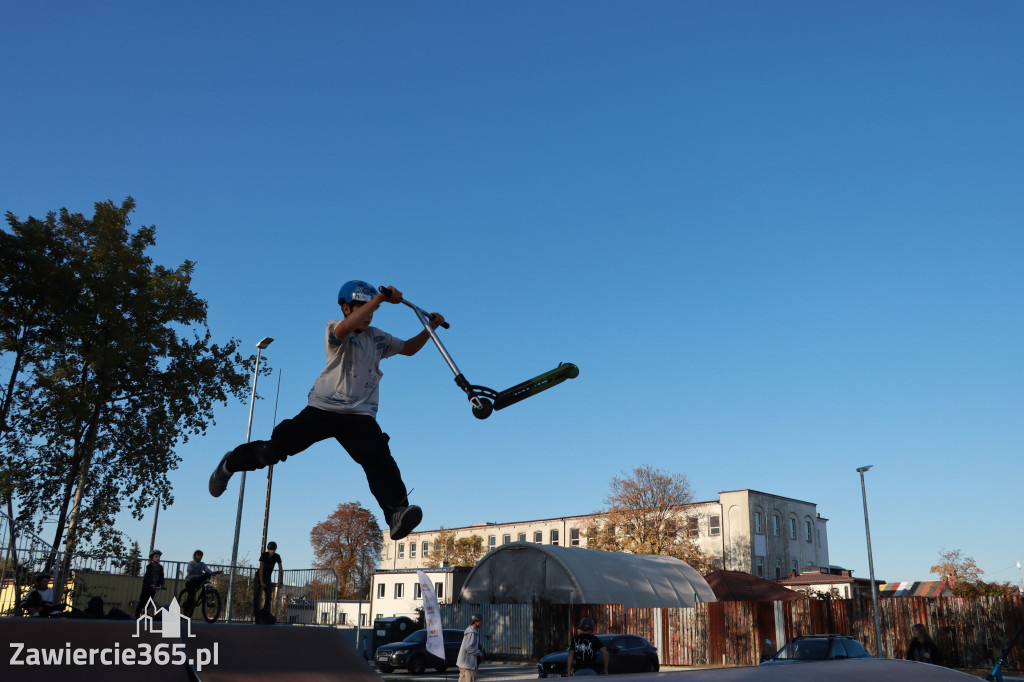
x,y
629,654
818,648
411,653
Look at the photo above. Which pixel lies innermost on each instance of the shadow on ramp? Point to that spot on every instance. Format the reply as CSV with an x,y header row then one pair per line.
x,y
276,652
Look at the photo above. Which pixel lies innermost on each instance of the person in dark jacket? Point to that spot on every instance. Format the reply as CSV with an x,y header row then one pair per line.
x,y
152,580
922,648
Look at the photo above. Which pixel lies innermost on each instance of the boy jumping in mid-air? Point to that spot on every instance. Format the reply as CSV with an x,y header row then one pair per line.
x,y
343,405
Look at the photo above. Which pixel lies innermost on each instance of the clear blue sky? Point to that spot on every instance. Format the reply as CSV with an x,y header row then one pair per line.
x,y
780,239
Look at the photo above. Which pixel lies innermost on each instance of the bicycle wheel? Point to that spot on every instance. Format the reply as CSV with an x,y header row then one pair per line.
x,y
183,602
211,605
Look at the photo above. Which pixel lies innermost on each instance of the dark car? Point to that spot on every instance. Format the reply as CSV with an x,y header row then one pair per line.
x,y
818,648
412,653
629,654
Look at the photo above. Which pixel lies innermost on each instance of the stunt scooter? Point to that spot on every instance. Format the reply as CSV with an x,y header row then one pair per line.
x,y
484,400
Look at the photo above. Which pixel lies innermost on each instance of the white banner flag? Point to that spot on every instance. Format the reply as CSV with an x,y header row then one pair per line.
x,y
435,639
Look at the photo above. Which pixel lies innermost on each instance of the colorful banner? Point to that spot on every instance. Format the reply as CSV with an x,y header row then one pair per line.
x,y
435,639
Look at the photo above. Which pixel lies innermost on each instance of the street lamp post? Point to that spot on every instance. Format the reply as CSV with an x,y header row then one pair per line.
x,y
871,562
1021,578
270,474
156,515
266,341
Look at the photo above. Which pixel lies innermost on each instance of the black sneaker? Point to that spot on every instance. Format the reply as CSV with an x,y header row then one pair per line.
x,y
219,479
403,521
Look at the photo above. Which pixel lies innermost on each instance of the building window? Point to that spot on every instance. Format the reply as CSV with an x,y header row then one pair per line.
x,y
439,590
759,567
412,550
778,568
399,590
426,547
401,549
808,532
362,619
522,537
506,538
491,540
538,537
757,523
775,525
715,525
417,591
554,537
574,537
792,529
343,618
692,527
380,591
796,567
323,618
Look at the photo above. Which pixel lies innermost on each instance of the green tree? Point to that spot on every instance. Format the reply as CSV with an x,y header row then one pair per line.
x,y
646,515
350,542
465,551
117,368
32,273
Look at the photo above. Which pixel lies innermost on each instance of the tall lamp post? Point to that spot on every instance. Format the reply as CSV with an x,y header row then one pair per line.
x,y
871,562
156,515
270,474
266,341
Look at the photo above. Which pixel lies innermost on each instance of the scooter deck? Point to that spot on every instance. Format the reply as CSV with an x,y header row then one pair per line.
x,y
510,396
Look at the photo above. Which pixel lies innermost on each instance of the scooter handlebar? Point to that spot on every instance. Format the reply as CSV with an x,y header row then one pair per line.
x,y
387,294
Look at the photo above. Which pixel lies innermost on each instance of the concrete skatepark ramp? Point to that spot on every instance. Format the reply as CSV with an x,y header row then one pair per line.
x,y
70,649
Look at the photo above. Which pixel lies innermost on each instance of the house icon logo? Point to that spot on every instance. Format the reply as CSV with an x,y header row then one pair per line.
x,y
165,620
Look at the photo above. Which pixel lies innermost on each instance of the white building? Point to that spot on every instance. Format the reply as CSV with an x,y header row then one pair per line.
x,y
397,593
343,613
744,530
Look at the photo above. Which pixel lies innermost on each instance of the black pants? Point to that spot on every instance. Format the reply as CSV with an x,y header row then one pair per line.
x,y
148,592
359,434
192,585
261,599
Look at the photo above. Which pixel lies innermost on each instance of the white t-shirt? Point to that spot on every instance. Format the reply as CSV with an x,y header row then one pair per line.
x,y
349,383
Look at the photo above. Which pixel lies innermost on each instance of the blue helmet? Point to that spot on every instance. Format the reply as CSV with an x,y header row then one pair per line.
x,y
356,290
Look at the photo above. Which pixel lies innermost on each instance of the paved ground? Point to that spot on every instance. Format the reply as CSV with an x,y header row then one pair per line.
x,y
528,671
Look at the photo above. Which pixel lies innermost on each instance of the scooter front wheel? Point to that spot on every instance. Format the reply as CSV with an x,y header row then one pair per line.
x,y
484,409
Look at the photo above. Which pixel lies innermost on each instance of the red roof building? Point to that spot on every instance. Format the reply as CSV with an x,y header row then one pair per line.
x,y
740,586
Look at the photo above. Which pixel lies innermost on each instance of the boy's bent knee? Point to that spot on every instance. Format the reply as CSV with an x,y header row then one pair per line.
x,y
266,455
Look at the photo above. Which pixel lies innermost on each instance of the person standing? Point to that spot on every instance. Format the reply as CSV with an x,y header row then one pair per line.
x,y
264,585
152,580
470,652
583,652
922,648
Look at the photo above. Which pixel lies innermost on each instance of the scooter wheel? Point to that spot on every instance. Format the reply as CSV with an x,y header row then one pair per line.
x,y
485,409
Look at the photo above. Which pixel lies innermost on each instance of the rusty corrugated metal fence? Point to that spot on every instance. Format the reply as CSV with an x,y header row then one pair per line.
x,y
971,632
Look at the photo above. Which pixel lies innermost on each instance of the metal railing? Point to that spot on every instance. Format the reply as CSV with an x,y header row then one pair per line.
x,y
79,578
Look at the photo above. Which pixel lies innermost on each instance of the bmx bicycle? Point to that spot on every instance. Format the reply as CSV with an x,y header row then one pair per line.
x,y
206,597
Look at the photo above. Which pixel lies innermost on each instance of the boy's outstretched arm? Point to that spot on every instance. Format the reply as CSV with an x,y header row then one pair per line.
x,y
359,317
413,345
